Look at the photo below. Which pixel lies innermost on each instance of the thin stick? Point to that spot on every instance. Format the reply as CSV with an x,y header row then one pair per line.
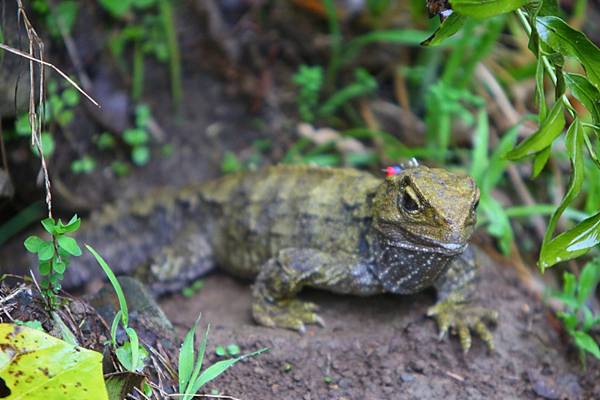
x,y
47,64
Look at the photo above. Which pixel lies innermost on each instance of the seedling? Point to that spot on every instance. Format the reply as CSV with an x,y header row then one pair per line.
x,y
194,288
54,255
577,317
190,378
131,354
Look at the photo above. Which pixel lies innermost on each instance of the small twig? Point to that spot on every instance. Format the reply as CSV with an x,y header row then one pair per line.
x,y
47,64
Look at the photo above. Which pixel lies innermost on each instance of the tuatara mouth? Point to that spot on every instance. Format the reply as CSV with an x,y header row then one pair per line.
x,y
407,240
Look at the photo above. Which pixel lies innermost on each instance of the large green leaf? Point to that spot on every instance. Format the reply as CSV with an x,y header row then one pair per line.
x,y
571,244
574,142
586,93
486,8
557,34
449,27
544,136
37,366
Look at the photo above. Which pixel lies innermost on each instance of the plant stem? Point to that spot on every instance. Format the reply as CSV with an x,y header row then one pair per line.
x,y
547,65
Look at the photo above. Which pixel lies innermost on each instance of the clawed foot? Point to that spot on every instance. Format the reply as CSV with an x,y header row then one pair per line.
x,y
462,318
288,313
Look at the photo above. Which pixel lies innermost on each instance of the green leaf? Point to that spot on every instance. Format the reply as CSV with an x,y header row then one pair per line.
x,y
218,368
198,366
574,144
540,97
586,93
570,284
46,251
72,225
586,342
571,244
449,27
486,8
33,244
557,34
70,97
135,137
233,349
142,116
479,165
59,267
568,319
22,127
498,162
550,128
540,160
49,225
45,267
140,155
69,245
54,369
220,351
186,357
115,284
590,275
118,8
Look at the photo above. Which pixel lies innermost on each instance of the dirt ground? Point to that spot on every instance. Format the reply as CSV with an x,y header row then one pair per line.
x,y
385,347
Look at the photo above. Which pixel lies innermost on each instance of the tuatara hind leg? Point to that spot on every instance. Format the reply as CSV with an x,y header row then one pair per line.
x,y
455,309
283,276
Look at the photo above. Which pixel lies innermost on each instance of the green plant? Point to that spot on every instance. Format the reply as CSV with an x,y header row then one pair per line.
x,y
58,109
131,353
191,380
57,15
153,33
551,40
84,165
577,317
138,138
310,80
54,255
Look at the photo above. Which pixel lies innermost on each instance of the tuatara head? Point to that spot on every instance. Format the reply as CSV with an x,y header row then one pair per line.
x,y
427,209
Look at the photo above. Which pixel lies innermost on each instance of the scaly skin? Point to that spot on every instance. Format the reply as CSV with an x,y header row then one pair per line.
x,y
340,230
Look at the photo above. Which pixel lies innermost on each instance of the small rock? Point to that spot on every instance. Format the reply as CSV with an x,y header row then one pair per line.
x,y
416,366
407,377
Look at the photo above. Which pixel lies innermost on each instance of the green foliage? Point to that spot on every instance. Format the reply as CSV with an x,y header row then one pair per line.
x,y
310,81
54,254
58,109
194,288
131,353
84,165
56,14
191,380
577,317
138,138
152,33
552,40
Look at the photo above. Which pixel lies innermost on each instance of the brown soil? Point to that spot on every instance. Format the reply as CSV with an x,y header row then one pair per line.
x,y
385,348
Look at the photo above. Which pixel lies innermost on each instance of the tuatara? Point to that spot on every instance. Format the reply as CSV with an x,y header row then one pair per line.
x,y
289,227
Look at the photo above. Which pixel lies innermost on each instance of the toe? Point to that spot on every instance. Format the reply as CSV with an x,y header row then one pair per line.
x,y
465,337
484,334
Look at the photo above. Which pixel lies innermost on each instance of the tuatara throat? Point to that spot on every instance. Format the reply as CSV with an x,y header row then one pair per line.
x,y
289,227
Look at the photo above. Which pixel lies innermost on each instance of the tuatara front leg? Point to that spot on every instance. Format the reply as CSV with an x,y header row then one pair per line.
x,y
455,309
282,277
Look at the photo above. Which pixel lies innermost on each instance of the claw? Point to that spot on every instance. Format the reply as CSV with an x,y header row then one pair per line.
x,y
287,313
462,318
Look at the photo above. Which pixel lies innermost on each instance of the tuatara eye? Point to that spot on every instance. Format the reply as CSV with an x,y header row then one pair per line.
x,y
408,203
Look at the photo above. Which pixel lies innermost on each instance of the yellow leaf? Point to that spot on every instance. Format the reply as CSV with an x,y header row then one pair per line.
x,y
37,366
